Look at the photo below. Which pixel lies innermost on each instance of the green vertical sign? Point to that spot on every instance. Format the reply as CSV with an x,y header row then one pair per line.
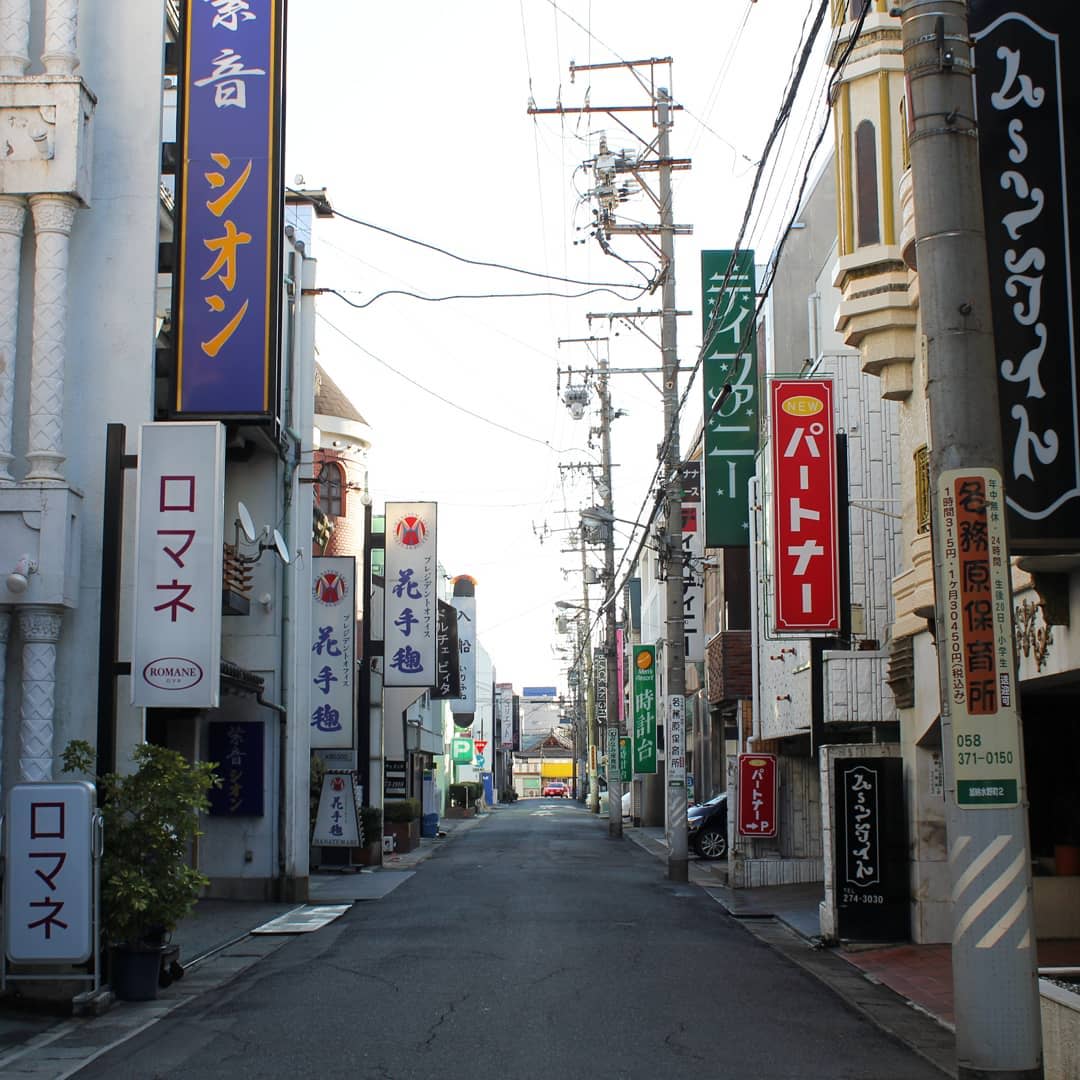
x,y
730,360
626,759
643,684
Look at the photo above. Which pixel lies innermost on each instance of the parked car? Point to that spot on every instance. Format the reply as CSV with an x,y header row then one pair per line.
x,y
555,789
706,826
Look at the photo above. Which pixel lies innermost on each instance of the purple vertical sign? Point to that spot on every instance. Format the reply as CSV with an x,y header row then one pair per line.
x,y
228,207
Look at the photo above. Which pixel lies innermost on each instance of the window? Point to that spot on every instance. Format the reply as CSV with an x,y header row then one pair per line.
x,y
331,490
866,185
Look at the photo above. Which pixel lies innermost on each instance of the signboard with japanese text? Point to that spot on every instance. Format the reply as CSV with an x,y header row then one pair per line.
x,y
229,215
333,650
870,856
395,778
626,759
463,707
969,528
757,795
731,429
805,543
447,678
337,823
176,636
643,707
239,748
410,603
620,674
693,553
1027,94
676,740
49,873
504,715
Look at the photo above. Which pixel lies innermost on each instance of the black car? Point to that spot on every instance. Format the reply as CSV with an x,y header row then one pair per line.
x,y
706,826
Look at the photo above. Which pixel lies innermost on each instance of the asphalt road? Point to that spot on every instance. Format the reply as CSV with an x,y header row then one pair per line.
x,y
530,947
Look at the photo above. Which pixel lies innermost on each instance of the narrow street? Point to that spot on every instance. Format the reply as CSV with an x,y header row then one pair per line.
x,y
530,946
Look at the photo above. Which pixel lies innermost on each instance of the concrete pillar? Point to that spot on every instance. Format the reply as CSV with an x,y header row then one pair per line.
x,y
53,216
14,37
40,630
61,26
12,217
5,628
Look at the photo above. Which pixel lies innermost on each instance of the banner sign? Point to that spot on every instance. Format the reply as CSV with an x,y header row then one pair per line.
x,y
969,527
337,822
49,873
176,637
539,692
643,699
757,795
238,747
871,859
410,602
730,359
464,705
620,674
504,715
676,740
447,677
395,778
693,575
229,208
1027,95
805,543
333,650
626,759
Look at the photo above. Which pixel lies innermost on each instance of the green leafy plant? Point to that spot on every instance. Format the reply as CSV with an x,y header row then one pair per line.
x,y
401,810
318,771
151,816
371,820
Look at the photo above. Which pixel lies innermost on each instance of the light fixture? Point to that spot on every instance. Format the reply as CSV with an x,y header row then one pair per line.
x,y
18,581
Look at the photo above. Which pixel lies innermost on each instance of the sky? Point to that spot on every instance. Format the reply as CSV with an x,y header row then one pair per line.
x,y
414,117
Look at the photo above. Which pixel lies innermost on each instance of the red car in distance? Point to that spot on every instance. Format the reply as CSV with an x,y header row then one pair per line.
x,y
555,789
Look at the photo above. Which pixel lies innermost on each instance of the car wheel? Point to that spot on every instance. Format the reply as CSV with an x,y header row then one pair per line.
x,y
712,843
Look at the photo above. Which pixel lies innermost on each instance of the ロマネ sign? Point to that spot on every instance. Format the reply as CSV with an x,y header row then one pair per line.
x,y
410,604
805,543
49,873
970,532
229,200
643,707
176,638
333,651
757,795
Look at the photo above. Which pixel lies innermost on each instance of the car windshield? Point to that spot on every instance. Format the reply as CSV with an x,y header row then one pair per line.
x,y
714,801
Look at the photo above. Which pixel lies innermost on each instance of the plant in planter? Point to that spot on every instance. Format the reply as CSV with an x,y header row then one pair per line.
x,y
371,821
402,821
151,816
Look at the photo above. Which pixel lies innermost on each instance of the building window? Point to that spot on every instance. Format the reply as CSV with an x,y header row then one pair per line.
x,y
866,185
331,490
922,490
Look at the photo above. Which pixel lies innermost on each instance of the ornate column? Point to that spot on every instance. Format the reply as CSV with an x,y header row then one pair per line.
x,y
14,37
61,23
12,216
40,630
53,218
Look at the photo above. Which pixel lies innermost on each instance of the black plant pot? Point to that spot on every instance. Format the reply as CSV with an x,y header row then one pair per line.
x,y
135,972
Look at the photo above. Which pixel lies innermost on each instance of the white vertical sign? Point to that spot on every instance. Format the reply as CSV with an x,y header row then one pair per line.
x,y
693,575
410,600
333,651
48,876
466,624
176,638
676,740
505,703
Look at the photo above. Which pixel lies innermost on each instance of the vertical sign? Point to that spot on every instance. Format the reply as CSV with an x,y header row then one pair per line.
x,y
693,575
229,227
805,544
643,697
48,873
676,740
447,680
336,822
626,759
410,603
464,705
870,858
620,674
970,526
1027,96
730,360
238,747
505,706
333,650
757,795
176,638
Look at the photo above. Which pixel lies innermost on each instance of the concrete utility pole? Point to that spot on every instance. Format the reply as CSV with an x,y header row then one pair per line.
x,y
590,686
998,1031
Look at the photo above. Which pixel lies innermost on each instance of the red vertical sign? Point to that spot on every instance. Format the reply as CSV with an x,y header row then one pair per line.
x,y
806,549
757,795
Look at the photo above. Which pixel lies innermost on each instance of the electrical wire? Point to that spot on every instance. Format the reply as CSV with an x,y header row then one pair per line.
x,y
340,294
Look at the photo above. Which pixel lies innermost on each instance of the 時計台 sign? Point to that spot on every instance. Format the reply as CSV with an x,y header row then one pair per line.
x,y
410,611
333,651
176,637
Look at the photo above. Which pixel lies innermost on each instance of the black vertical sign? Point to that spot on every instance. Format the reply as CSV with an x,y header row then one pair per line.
x,y
870,857
1027,92
447,673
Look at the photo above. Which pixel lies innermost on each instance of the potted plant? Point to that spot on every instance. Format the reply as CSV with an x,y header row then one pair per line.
x,y
401,818
151,816
371,823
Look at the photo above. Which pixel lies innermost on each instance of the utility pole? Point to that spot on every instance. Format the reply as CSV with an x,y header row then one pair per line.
x,y
590,686
998,1032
